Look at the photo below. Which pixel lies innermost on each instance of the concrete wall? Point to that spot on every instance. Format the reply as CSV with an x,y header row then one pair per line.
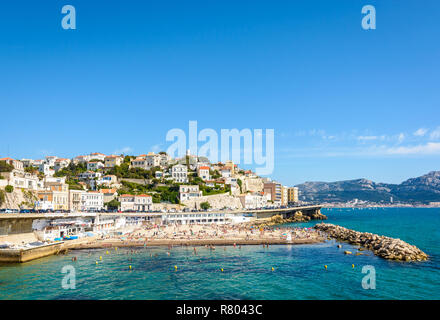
x,y
14,226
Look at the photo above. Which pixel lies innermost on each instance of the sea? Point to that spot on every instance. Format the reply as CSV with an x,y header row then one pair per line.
x,y
286,272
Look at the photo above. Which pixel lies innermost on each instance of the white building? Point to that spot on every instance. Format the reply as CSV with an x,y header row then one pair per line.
x,y
254,200
92,201
189,192
140,162
112,161
88,175
94,165
50,160
164,160
46,170
18,165
179,173
61,163
135,203
194,218
203,173
153,159
226,173
97,156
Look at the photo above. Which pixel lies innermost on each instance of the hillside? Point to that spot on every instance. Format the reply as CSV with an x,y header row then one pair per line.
x,y
422,189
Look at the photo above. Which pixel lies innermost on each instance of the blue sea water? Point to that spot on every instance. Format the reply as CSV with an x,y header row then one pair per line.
x,y
299,271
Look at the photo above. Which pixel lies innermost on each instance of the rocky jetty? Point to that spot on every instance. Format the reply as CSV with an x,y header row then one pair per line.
x,y
297,217
385,247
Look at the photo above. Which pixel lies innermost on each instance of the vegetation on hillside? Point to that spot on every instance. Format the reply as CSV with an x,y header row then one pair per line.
x,y
5,167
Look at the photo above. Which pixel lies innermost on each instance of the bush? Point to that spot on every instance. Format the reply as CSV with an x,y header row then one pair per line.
x,y
5,167
9,188
113,205
205,205
2,197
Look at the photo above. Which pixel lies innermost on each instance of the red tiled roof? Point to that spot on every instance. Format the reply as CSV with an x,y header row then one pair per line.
x,y
204,168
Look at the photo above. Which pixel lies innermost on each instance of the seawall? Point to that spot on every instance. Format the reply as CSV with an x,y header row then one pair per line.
x,y
382,246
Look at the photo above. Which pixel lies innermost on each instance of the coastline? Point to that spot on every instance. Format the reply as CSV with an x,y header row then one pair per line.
x,y
195,242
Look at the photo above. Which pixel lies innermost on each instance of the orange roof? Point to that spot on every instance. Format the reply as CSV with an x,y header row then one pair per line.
x,y
204,168
108,190
126,195
143,195
3,159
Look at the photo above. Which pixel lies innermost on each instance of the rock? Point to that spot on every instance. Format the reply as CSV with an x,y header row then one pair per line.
x,y
382,246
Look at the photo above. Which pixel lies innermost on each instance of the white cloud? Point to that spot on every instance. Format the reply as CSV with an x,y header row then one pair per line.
x,y
435,135
401,137
367,138
420,132
423,149
124,150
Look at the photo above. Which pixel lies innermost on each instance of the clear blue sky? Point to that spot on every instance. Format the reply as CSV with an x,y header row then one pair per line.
x,y
344,102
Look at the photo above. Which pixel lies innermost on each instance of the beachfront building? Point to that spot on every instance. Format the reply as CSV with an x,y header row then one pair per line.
x,y
135,203
92,201
275,190
112,161
194,218
189,192
109,194
255,200
292,195
52,200
75,200
179,173
203,173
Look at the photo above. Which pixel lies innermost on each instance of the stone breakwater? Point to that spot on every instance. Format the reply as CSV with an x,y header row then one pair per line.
x,y
297,217
382,246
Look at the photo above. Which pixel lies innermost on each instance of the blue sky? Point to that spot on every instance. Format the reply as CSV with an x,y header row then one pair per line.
x,y
345,103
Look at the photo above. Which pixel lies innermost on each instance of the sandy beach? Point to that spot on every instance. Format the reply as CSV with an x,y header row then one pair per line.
x,y
199,235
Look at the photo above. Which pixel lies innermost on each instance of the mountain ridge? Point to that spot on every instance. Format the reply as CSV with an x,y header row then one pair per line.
x,y
423,189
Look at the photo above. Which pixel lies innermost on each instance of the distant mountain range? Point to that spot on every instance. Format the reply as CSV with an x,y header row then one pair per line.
x,y
423,189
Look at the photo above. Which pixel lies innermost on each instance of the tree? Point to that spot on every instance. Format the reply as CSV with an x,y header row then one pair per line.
x,y
2,197
113,205
9,188
6,167
205,205
239,182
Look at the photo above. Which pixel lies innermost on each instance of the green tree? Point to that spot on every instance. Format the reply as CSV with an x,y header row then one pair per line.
x,y
2,197
239,182
9,188
113,205
5,167
205,205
